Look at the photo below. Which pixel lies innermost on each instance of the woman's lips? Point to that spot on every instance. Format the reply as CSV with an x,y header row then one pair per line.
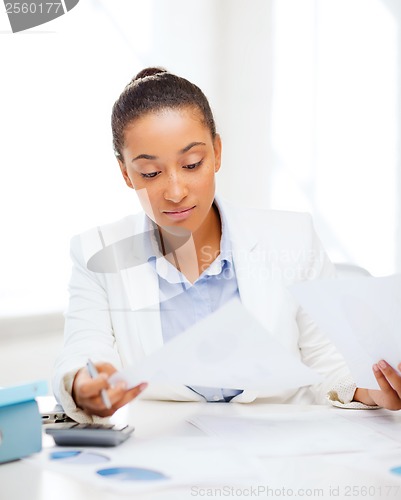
x,y
181,214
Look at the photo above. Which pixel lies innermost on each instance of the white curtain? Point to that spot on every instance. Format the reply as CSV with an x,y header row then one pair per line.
x,y
336,124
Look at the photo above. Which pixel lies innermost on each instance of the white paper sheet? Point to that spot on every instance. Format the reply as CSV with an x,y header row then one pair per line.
x,y
382,467
293,434
362,316
227,349
383,421
182,461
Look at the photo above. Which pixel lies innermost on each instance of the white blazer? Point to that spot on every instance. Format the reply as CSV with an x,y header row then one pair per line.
x,y
115,316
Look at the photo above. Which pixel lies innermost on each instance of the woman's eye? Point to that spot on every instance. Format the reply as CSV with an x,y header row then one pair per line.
x,y
149,176
193,165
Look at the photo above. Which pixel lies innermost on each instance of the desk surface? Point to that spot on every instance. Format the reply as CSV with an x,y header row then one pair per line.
x,y
341,475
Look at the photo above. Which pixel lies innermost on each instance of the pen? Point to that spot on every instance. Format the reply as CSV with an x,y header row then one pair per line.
x,y
94,373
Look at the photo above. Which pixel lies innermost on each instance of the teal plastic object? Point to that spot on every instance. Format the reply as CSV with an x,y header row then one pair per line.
x,y
23,392
20,421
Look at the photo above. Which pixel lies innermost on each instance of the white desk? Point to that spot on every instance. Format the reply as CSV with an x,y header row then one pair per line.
x,y
153,420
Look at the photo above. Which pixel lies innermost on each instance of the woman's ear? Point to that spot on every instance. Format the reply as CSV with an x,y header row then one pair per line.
x,y
125,173
217,152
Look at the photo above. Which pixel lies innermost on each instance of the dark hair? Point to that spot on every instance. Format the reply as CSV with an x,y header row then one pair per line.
x,y
155,89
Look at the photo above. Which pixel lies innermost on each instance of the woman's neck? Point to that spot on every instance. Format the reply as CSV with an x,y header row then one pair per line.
x,y
192,255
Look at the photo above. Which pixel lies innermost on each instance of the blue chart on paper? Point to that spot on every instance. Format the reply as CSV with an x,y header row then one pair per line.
x,y
76,457
132,474
396,470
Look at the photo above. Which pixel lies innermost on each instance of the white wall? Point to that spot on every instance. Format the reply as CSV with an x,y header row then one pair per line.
x,y
270,69
243,105
336,124
394,9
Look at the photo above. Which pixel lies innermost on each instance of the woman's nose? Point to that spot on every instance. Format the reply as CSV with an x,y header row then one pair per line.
x,y
176,189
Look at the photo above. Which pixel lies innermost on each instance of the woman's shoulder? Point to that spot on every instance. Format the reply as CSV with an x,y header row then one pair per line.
x,y
126,226
247,215
105,236
278,229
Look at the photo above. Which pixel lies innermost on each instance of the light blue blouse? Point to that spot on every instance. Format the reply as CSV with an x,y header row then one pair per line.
x,y
182,303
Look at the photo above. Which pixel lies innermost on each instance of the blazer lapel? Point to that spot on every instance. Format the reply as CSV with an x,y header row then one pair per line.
x,y
120,249
142,288
251,267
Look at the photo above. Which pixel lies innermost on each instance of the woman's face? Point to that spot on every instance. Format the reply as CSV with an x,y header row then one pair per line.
x,y
170,159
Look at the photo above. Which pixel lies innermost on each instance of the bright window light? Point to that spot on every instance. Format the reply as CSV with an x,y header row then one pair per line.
x,y
335,126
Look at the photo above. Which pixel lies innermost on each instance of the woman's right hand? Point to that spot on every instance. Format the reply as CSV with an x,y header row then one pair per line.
x,y
86,391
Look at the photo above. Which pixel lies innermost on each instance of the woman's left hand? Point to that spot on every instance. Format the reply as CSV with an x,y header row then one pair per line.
x,y
389,395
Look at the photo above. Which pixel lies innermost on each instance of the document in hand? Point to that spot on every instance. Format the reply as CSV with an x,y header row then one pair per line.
x,y
230,349
362,317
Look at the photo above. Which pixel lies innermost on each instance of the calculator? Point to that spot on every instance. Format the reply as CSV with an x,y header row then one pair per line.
x,y
74,434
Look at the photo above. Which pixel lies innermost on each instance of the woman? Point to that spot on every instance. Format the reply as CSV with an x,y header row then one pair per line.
x,y
142,280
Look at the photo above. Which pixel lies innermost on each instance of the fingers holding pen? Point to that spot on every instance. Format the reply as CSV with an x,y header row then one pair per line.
x,y
118,396
87,391
128,395
94,394
90,387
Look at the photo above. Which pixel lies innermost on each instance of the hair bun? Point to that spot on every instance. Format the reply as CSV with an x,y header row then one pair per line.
x,y
148,72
